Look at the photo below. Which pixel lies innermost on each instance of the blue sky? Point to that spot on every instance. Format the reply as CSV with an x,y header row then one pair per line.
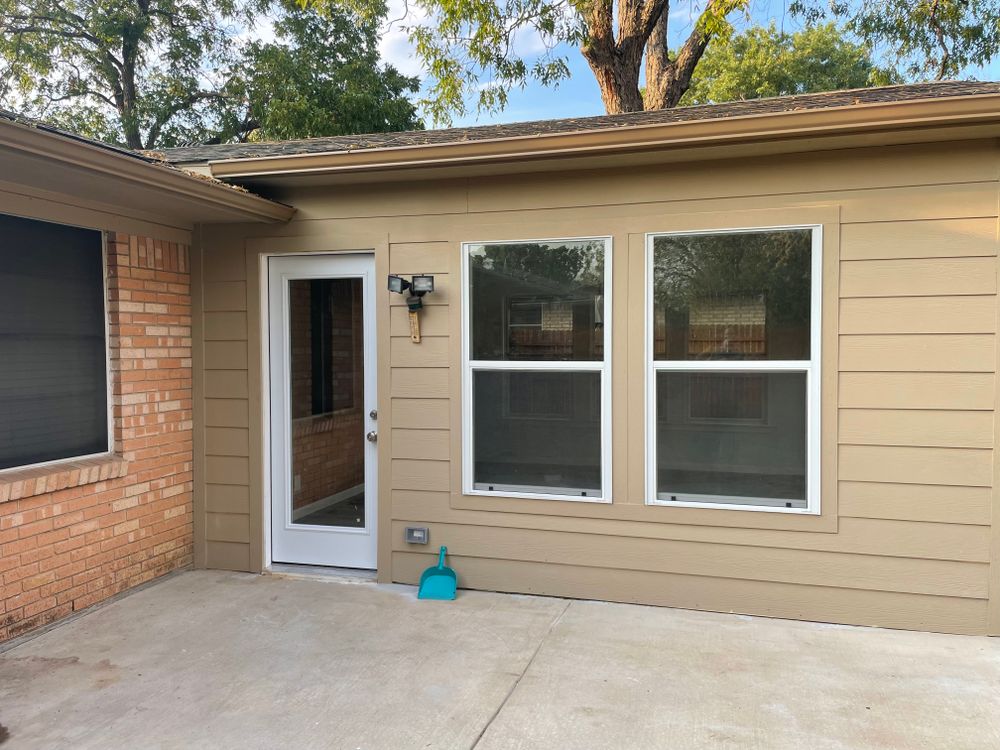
x,y
579,96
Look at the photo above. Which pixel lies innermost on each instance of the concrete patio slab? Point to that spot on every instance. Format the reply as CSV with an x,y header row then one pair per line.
x,y
227,660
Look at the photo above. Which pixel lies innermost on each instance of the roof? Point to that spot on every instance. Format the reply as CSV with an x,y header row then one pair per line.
x,y
698,113
42,156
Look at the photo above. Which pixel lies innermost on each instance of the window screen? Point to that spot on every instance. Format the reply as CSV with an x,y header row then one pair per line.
x,y
53,378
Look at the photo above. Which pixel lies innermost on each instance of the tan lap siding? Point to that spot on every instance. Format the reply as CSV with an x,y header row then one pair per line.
x,y
224,496
910,545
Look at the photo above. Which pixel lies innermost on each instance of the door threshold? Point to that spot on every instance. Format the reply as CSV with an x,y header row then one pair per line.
x,y
323,573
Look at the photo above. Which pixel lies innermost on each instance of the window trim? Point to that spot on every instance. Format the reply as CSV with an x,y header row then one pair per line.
x,y
812,369
469,366
109,374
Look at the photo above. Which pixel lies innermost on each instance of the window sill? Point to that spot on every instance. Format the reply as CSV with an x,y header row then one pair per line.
x,y
17,484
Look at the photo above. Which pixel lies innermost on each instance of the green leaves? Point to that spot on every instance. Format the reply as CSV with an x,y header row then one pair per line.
x,y
920,38
157,73
766,62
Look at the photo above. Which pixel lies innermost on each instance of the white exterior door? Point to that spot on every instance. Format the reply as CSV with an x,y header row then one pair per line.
x,y
323,415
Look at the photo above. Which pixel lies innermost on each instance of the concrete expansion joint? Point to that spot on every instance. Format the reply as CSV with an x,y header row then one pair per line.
x,y
541,641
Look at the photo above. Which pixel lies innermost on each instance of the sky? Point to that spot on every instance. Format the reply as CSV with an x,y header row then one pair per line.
x,y
579,96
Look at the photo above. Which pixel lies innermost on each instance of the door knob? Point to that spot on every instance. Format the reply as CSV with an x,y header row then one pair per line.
x,y
372,437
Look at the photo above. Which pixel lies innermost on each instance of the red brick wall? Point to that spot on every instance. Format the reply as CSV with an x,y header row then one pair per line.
x,y
72,534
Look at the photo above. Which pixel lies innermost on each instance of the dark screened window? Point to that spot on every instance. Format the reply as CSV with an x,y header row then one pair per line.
x,y
53,360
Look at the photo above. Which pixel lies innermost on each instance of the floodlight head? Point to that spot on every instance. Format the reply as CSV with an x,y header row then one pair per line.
x,y
398,284
423,283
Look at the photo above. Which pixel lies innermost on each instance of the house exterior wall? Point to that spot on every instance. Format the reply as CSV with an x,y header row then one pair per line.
x,y
909,360
75,533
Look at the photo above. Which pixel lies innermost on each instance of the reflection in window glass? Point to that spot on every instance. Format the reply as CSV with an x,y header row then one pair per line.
x,y
733,296
735,439
537,301
537,432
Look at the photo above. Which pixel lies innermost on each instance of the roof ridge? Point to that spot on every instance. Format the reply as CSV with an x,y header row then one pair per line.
x,y
690,113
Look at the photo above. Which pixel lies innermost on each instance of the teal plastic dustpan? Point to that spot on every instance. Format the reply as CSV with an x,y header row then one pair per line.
x,y
438,582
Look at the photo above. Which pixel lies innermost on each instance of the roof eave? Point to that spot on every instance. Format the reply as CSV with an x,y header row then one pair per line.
x,y
846,120
79,154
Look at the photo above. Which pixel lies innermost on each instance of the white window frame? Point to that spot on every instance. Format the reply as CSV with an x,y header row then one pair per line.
x,y
109,383
469,366
811,368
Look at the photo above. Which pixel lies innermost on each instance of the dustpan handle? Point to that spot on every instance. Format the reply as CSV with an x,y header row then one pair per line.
x,y
443,552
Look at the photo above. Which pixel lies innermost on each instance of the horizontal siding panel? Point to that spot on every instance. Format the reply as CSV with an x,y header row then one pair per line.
x,y
227,470
227,527
227,441
866,315
225,296
432,351
915,502
433,445
227,498
223,259
916,390
915,203
862,536
406,474
442,294
918,353
225,326
421,413
421,257
917,277
964,467
823,603
227,412
942,578
435,320
420,382
226,384
227,555
947,429
919,239
226,355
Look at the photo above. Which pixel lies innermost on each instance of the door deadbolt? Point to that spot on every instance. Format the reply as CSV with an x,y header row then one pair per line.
x,y
372,437
373,414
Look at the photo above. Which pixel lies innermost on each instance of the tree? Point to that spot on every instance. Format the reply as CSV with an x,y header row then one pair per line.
x,y
922,38
322,76
155,73
461,42
763,61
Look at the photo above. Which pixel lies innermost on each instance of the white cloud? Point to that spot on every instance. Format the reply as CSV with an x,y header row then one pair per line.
x,y
394,46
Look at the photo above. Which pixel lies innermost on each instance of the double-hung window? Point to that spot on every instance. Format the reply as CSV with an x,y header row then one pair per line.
x,y
733,345
537,368
53,352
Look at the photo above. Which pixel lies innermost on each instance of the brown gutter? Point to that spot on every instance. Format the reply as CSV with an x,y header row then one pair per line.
x,y
80,154
856,119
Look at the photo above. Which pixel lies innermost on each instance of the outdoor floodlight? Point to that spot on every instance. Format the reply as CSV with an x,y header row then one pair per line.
x,y
420,285
398,284
423,284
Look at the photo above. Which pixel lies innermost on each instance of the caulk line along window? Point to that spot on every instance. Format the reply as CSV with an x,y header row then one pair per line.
x,y
537,368
734,381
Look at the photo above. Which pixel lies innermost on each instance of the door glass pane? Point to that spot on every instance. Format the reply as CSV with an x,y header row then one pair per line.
x,y
740,296
538,300
327,398
538,432
736,438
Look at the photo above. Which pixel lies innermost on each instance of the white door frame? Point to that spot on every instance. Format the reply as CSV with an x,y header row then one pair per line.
x,y
356,548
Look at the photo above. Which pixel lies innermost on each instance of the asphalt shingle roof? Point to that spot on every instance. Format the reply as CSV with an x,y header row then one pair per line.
x,y
827,100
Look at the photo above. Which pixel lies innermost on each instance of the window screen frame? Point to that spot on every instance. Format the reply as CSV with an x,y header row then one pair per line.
x,y
109,382
470,366
812,368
